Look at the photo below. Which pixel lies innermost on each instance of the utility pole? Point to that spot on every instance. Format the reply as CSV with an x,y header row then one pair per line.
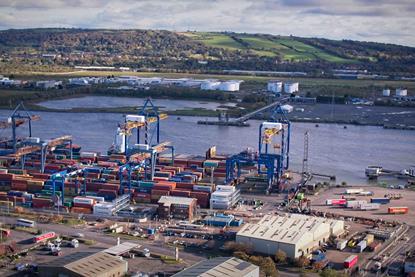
x,y
305,157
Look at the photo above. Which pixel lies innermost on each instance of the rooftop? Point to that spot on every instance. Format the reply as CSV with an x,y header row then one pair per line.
x,y
122,248
218,267
86,263
288,228
176,200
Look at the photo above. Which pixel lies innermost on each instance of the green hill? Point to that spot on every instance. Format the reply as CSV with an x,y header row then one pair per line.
x,y
25,49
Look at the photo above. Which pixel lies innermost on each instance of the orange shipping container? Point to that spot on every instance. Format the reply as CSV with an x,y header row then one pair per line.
x,y
398,210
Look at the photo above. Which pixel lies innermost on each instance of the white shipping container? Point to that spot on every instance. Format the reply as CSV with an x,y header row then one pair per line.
x,y
87,154
355,203
83,200
369,207
341,244
98,199
329,202
353,191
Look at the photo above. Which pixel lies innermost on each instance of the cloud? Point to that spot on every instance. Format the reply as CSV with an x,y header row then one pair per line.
x,y
378,20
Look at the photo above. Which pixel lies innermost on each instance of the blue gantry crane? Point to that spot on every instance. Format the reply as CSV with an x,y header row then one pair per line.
x,y
272,157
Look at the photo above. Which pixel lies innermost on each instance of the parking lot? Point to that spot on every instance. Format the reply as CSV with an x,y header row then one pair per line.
x,y
318,203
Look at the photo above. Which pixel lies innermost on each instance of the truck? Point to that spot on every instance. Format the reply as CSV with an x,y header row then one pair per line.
x,y
350,261
380,200
317,256
43,237
398,210
369,207
353,191
341,244
74,243
336,202
361,246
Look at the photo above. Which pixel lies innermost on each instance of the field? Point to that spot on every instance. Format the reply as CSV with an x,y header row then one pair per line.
x,y
287,48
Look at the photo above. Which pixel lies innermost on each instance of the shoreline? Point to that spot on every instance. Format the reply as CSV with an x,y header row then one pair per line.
x,y
205,113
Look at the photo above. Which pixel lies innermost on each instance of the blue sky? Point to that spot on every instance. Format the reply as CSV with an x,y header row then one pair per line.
x,y
390,21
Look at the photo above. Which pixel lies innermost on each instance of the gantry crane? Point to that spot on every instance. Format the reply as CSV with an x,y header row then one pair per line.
x,y
19,116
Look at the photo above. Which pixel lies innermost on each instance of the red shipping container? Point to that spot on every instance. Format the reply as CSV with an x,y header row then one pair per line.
x,y
159,192
398,210
6,177
184,185
339,201
79,210
181,193
350,261
110,186
82,205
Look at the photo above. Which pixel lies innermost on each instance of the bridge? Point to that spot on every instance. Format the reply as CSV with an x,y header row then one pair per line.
x,y
241,121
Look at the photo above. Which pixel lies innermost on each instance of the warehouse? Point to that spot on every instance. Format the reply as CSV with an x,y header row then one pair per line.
x,y
177,207
219,267
84,264
296,235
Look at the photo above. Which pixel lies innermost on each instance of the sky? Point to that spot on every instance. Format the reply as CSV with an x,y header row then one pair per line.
x,y
389,21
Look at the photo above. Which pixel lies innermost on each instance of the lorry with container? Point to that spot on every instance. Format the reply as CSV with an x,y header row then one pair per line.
x,y
369,207
341,244
398,210
361,246
354,204
336,202
380,200
350,261
353,191
44,237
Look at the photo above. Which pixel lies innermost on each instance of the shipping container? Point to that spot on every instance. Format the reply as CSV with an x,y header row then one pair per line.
x,y
398,210
43,237
350,261
369,238
353,191
341,244
369,207
380,200
336,202
361,246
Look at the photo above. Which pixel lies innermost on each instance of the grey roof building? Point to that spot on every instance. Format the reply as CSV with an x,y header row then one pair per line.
x,y
221,267
86,264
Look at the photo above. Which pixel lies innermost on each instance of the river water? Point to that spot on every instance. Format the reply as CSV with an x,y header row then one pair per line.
x,y
332,149
111,102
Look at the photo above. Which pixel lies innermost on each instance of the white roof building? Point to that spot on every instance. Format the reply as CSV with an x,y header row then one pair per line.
x,y
295,234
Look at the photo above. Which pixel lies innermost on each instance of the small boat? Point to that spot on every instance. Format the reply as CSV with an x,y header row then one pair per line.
x,y
317,125
178,118
344,127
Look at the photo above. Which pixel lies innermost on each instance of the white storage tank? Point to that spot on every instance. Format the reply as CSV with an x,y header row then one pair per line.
x,y
229,86
401,92
291,87
210,85
274,86
386,92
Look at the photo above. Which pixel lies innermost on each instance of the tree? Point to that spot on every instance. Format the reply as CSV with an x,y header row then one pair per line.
x,y
302,262
241,255
280,257
268,267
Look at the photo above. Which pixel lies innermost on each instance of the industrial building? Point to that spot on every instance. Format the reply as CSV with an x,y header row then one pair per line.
x,y
177,207
231,85
274,86
220,267
291,87
48,84
84,264
296,235
225,197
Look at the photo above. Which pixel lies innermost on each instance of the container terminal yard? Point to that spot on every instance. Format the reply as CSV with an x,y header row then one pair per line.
x,y
163,211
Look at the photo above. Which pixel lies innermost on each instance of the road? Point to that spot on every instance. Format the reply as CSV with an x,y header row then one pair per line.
x,y
395,250
105,241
